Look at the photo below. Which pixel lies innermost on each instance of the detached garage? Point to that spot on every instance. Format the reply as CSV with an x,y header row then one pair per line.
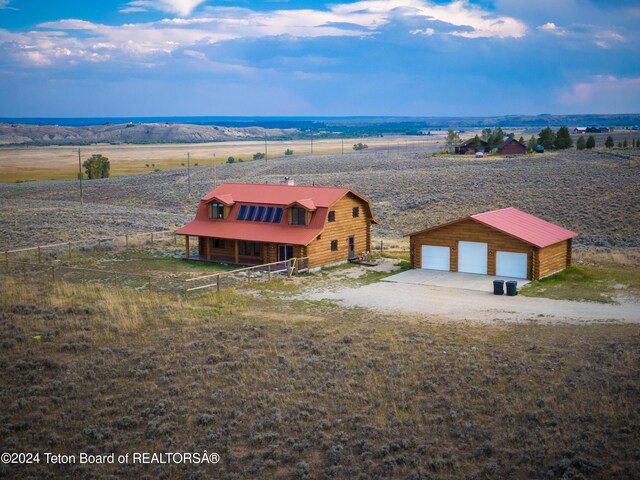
x,y
506,243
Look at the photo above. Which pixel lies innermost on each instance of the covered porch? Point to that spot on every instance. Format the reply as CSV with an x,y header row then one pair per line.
x,y
239,252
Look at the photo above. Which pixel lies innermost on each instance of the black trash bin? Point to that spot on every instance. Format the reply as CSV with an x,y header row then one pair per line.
x,y
498,287
512,291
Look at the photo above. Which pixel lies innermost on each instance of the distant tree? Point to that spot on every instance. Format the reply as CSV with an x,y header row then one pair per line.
x,y
258,156
496,137
608,142
531,146
521,140
563,139
477,145
581,144
486,133
625,144
591,142
619,144
511,135
546,138
231,160
97,166
288,151
453,139
360,146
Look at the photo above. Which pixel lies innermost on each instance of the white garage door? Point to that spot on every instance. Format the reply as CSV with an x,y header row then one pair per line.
x,y
472,257
510,264
435,258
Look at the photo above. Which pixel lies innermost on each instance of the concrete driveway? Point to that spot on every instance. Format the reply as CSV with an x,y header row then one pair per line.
x,y
434,278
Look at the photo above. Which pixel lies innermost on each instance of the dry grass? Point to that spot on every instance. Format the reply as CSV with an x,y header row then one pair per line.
x,y
294,390
61,163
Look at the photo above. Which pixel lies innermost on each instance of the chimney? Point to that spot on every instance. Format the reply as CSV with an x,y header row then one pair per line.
x,y
287,181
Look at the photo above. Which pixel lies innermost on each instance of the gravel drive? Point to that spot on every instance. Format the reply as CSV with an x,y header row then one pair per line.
x,y
458,304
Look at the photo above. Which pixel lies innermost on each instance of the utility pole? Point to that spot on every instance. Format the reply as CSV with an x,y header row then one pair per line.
x,y
343,146
80,177
215,172
189,172
311,141
265,147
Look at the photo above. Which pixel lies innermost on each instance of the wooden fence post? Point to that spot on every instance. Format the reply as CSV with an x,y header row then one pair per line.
x,y
289,268
185,286
150,286
53,273
116,280
175,239
126,242
24,273
6,259
69,250
39,255
269,271
218,283
152,239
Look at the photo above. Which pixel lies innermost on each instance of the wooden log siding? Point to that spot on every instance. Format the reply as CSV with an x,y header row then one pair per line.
x,y
319,251
541,262
554,258
468,231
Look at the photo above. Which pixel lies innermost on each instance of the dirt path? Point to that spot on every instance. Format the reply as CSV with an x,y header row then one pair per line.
x,y
458,304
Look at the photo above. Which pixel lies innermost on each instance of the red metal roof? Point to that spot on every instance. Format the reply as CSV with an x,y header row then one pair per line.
x,y
516,223
282,195
524,226
320,198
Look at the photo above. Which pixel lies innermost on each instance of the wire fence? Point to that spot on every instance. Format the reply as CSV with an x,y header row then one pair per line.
x,y
43,263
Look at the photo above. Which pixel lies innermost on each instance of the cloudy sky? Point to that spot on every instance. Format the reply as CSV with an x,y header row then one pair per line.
x,y
311,58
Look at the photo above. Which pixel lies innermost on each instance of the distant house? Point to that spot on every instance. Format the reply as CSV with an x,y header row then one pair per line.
x,y
467,147
252,224
511,146
580,130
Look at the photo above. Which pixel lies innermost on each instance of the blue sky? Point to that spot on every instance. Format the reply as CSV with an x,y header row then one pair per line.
x,y
296,57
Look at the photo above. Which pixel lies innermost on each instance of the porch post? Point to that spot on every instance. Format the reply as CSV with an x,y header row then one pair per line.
x,y
236,250
186,244
208,246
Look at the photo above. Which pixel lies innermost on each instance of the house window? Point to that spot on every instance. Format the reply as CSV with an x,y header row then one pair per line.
x,y
297,216
278,215
218,243
269,215
251,212
217,210
242,212
249,249
356,212
332,216
334,245
259,214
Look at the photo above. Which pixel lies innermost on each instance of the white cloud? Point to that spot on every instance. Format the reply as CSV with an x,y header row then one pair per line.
x,y
177,7
600,88
584,33
87,41
551,27
5,4
426,31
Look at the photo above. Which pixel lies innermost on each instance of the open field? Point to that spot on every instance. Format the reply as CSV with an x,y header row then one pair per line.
x,y
308,390
61,162
592,192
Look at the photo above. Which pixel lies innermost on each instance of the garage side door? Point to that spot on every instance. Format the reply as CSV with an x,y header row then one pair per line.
x,y
435,258
509,264
472,257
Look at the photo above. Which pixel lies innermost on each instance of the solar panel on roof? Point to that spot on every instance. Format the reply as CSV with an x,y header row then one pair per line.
x,y
269,214
259,214
251,212
242,212
278,216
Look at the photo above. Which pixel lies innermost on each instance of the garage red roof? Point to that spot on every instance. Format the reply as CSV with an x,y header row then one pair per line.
x,y
249,195
526,227
516,223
